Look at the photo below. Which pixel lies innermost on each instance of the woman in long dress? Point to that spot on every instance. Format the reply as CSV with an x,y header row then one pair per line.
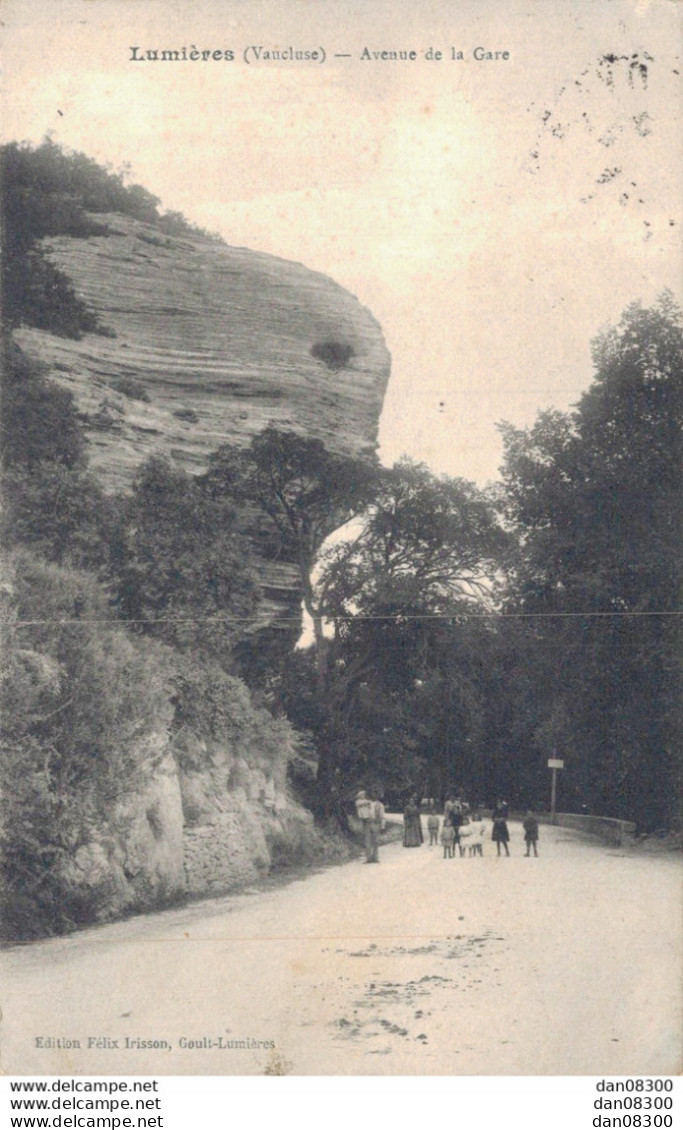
x,y
412,825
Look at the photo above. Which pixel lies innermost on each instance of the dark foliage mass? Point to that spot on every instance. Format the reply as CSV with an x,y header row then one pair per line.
x,y
48,192
179,567
595,498
42,195
51,501
457,651
39,420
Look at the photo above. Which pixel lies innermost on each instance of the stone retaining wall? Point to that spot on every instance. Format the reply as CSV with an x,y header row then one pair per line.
x,y
610,830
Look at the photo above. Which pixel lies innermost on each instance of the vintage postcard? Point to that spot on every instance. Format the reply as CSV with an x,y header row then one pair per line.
x,y
342,384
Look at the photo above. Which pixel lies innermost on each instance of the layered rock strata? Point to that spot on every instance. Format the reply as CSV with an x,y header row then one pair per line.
x,y
209,345
212,344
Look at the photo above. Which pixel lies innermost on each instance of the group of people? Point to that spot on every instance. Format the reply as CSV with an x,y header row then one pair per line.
x,y
501,835
462,830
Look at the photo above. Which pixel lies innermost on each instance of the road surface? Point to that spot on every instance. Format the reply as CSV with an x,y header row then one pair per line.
x,y
565,964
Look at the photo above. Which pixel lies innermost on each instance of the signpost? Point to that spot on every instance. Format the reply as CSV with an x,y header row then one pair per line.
x,y
554,763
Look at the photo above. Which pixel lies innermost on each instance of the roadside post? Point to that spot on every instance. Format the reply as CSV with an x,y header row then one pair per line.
x,y
554,763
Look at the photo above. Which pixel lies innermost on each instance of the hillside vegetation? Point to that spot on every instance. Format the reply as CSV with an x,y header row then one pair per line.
x,y
159,728
137,767
48,192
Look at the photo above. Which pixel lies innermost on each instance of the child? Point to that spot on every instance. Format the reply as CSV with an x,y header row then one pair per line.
x,y
499,832
478,833
448,840
433,828
464,835
530,826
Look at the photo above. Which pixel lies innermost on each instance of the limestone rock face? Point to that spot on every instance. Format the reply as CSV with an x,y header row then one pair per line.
x,y
199,832
207,345
212,344
135,860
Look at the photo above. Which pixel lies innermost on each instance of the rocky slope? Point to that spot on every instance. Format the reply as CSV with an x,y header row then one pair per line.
x,y
206,345
194,831
212,344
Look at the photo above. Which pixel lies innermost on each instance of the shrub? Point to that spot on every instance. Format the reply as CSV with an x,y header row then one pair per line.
x,y
78,700
133,389
179,567
335,354
39,419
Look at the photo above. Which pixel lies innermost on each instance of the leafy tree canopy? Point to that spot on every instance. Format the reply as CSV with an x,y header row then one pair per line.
x,y
180,568
425,543
594,497
594,494
306,491
49,191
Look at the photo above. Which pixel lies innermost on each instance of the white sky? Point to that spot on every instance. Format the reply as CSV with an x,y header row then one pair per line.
x,y
412,184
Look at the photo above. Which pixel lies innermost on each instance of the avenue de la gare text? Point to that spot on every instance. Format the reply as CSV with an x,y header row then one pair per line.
x,y
257,53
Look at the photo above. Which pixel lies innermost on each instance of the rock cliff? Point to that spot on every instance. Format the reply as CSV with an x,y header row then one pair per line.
x,y
205,345
172,810
210,344
197,831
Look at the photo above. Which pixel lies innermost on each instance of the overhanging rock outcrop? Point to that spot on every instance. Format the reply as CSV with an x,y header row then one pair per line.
x,y
212,344
209,345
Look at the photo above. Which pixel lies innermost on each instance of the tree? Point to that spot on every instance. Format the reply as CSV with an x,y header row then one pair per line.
x,y
594,496
39,200
51,501
427,541
398,594
306,493
49,191
299,493
179,566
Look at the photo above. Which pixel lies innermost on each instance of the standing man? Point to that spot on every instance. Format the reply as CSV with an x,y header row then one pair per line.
x,y
370,812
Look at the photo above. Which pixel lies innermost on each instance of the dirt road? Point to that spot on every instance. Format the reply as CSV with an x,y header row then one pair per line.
x,y
566,964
